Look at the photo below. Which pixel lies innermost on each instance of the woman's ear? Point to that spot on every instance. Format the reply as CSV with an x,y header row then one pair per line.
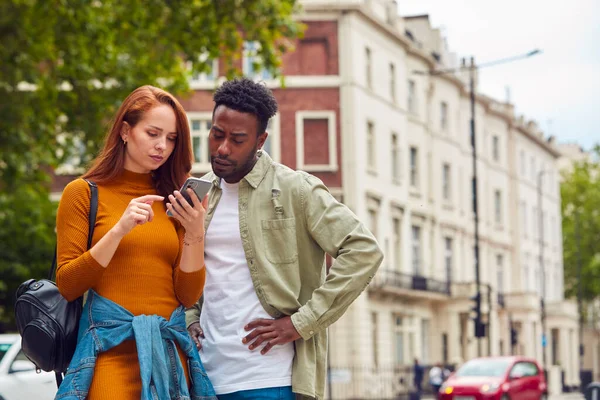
x,y
125,128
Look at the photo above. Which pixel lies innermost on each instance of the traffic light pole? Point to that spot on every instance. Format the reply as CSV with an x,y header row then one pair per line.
x,y
475,207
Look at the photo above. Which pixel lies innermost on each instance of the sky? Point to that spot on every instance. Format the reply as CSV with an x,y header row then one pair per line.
x,y
559,88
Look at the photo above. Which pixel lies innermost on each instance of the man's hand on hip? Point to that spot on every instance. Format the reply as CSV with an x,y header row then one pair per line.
x,y
271,332
196,333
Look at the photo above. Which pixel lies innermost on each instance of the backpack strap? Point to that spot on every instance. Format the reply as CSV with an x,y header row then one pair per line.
x,y
91,220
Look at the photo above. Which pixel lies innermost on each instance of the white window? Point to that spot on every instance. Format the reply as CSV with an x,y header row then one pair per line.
x,y
534,223
523,164
446,182
448,256
532,161
524,226
397,244
374,339
373,226
200,124
273,145
500,273
252,63
399,340
393,82
371,163
416,250
395,158
496,148
443,115
210,76
425,341
328,120
526,274
412,97
368,68
414,167
498,206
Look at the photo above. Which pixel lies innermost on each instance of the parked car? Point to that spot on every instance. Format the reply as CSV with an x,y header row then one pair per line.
x,y
496,378
18,376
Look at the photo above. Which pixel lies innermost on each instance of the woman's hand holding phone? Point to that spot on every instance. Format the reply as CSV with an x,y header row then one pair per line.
x,y
138,212
191,216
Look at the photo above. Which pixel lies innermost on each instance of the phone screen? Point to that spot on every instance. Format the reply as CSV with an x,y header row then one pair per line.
x,y
199,186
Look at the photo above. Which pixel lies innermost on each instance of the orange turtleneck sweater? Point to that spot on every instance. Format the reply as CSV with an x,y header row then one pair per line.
x,y
143,275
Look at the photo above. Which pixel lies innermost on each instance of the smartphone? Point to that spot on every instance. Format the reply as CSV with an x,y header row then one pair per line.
x,y
199,186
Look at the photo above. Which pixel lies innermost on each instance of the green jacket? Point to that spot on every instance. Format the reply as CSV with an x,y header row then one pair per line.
x,y
288,221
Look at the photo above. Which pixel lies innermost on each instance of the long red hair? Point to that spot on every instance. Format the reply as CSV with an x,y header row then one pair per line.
x,y
110,162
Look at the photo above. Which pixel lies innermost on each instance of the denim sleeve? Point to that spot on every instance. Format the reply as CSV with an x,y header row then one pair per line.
x,y
357,255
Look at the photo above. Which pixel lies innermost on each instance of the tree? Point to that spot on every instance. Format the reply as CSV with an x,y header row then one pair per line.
x,y
580,192
65,66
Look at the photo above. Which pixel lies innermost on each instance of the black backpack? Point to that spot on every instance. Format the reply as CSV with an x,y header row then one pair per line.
x,y
47,322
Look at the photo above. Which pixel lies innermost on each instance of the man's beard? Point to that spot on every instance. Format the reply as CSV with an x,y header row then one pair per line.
x,y
237,171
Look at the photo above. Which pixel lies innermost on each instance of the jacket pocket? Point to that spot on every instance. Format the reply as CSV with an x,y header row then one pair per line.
x,y
279,235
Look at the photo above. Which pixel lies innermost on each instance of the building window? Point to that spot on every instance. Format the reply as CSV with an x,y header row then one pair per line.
x,y
496,148
524,225
393,82
272,144
444,115
395,158
500,273
526,274
200,125
412,97
532,172
446,183
498,206
425,341
316,141
252,63
445,348
523,164
416,250
373,226
371,163
208,76
397,243
534,222
448,256
368,68
399,340
374,339
414,167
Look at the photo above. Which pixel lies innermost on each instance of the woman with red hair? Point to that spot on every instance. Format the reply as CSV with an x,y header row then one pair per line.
x,y
143,266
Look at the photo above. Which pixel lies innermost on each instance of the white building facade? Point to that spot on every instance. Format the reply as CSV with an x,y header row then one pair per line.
x,y
406,168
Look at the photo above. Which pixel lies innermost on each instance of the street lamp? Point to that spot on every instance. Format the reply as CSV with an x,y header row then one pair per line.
x,y
479,332
542,269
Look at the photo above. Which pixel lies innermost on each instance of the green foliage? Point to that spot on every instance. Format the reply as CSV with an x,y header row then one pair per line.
x,y
580,192
65,66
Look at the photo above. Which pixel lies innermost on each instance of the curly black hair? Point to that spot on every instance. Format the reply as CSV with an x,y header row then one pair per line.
x,y
245,95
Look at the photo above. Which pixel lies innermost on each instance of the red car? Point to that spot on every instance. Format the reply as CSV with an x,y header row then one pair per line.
x,y
496,378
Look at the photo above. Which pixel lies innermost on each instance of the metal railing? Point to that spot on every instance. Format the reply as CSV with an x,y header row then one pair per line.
x,y
397,279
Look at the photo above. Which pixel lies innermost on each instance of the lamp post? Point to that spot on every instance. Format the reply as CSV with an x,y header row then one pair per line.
x,y
542,269
479,327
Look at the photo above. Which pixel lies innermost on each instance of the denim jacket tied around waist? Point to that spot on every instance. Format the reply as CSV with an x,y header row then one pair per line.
x,y
105,324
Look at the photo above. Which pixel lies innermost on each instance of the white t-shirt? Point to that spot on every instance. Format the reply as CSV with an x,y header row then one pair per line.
x,y
230,302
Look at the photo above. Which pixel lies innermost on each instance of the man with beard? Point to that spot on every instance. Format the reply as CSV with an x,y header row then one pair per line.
x,y
261,325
